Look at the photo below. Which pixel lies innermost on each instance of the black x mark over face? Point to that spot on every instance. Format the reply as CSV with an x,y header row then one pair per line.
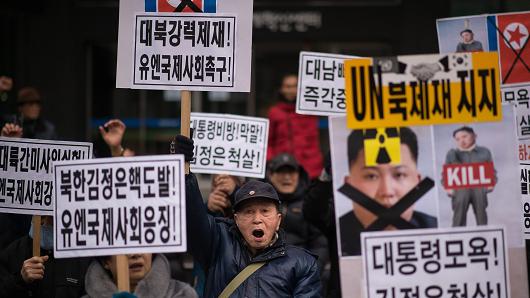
x,y
187,3
391,216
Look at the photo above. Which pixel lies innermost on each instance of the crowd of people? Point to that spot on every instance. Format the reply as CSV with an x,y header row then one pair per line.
x,y
274,237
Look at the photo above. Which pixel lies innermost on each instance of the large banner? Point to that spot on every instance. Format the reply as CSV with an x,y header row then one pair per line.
x,y
321,84
185,45
436,263
126,205
26,172
229,144
471,179
422,90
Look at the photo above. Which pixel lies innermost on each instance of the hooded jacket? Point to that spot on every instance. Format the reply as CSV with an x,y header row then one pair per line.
x,y
220,249
296,134
156,283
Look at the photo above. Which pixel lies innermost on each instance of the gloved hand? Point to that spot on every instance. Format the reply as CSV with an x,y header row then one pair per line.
x,y
123,295
184,145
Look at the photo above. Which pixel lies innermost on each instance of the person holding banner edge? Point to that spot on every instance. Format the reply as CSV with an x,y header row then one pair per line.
x,y
246,256
24,275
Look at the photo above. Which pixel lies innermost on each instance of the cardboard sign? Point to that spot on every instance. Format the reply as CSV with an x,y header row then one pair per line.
x,y
436,263
229,144
185,45
321,84
123,205
26,172
422,90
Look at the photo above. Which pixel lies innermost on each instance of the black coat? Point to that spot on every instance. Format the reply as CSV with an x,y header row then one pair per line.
x,y
62,277
218,246
299,231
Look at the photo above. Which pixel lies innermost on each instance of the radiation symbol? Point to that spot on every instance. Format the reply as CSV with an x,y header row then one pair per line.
x,y
382,146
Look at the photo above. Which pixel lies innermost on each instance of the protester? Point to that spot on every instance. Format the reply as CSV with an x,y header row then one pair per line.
x,y
290,181
24,275
221,197
31,125
149,276
294,133
225,247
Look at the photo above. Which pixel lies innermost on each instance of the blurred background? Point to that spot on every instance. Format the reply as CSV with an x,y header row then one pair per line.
x,y
67,49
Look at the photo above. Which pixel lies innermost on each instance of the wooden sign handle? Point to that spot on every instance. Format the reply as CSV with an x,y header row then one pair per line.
x,y
122,273
36,221
185,112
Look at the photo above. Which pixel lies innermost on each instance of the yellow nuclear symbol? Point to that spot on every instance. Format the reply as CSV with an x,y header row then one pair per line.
x,y
382,146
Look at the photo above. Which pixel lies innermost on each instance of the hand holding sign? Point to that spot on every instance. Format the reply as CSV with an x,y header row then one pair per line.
x,y
11,130
33,269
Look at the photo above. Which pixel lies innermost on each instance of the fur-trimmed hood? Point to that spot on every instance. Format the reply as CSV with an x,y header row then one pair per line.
x,y
157,282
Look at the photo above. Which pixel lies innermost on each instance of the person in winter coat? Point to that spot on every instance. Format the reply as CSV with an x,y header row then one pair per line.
x,y
149,276
294,133
24,275
225,247
290,181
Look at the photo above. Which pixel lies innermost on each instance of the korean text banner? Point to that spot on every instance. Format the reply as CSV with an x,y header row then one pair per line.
x,y
124,205
524,158
422,90
321,84
229,144
185,45
436,263
176,50
26,172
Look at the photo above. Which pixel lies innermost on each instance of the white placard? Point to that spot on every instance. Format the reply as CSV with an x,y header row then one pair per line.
x,y
26,172
229,144
232,61
451,262
321,84
120,205
184,50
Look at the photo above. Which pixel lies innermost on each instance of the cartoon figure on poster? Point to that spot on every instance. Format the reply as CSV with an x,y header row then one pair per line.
x,y
386,183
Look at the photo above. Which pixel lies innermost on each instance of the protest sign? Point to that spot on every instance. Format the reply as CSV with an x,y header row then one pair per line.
x,y
506,33
370,198
185,45
422,90
229,144
321,84
120,206
436,263
26,172
487,196
176,50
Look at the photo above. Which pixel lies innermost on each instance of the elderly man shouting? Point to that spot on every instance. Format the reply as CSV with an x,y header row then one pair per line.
x,y
247,256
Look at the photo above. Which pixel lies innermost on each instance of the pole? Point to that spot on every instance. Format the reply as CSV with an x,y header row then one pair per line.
x,y
185,111
122,273
36,220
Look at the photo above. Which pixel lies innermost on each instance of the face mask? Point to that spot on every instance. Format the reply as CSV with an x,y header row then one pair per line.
x,y
46,236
